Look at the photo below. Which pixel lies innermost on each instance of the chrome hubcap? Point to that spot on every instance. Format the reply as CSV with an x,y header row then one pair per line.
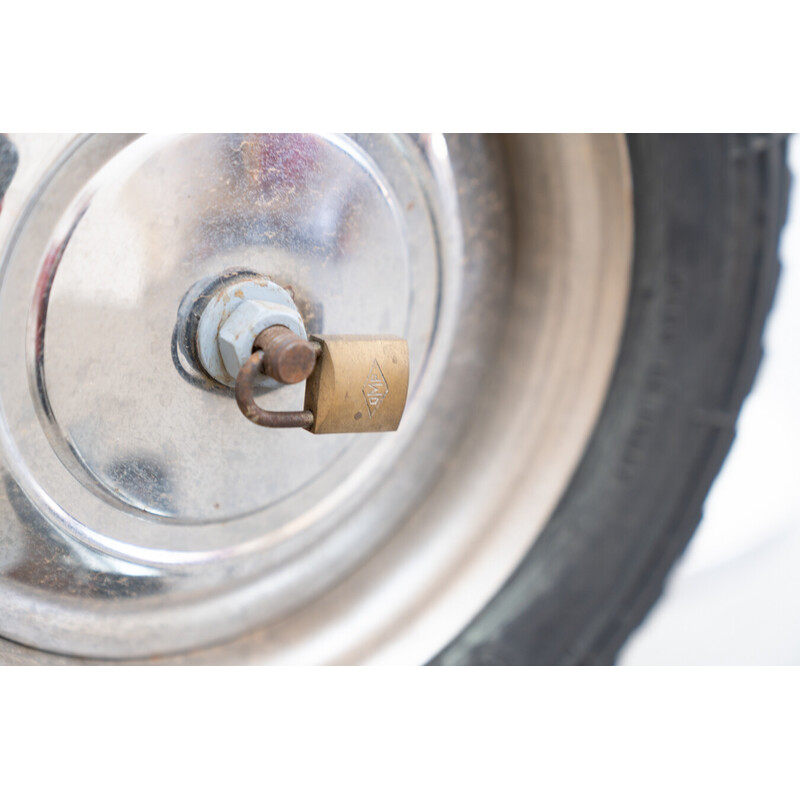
x,y
145,516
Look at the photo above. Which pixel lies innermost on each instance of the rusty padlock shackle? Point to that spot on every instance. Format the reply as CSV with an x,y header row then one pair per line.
x,y
286,357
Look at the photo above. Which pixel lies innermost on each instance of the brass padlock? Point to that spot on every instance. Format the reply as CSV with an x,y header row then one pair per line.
x,y
359,384
355,384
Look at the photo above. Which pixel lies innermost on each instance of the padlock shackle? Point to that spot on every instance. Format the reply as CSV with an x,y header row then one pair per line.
x,y
253,367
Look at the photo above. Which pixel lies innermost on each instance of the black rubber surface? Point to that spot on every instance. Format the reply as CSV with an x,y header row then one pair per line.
x,y
708,215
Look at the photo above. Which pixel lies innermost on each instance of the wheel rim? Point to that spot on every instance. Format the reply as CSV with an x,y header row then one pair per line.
x,y
532,315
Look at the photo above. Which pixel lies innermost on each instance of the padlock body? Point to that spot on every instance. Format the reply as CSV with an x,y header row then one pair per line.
x,y
359,384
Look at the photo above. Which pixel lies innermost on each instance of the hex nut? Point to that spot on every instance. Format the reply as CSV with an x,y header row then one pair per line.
x,y
226,300
239,331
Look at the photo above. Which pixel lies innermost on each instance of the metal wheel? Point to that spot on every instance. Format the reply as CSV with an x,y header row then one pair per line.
x,y
144,517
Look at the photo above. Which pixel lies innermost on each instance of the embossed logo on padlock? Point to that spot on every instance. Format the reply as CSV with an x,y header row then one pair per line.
x,y
375,388
359,384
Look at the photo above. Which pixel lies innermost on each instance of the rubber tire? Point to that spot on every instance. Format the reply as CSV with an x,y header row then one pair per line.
x,y
708,214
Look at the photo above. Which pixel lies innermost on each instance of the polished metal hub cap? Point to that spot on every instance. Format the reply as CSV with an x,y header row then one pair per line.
x,y
145,516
